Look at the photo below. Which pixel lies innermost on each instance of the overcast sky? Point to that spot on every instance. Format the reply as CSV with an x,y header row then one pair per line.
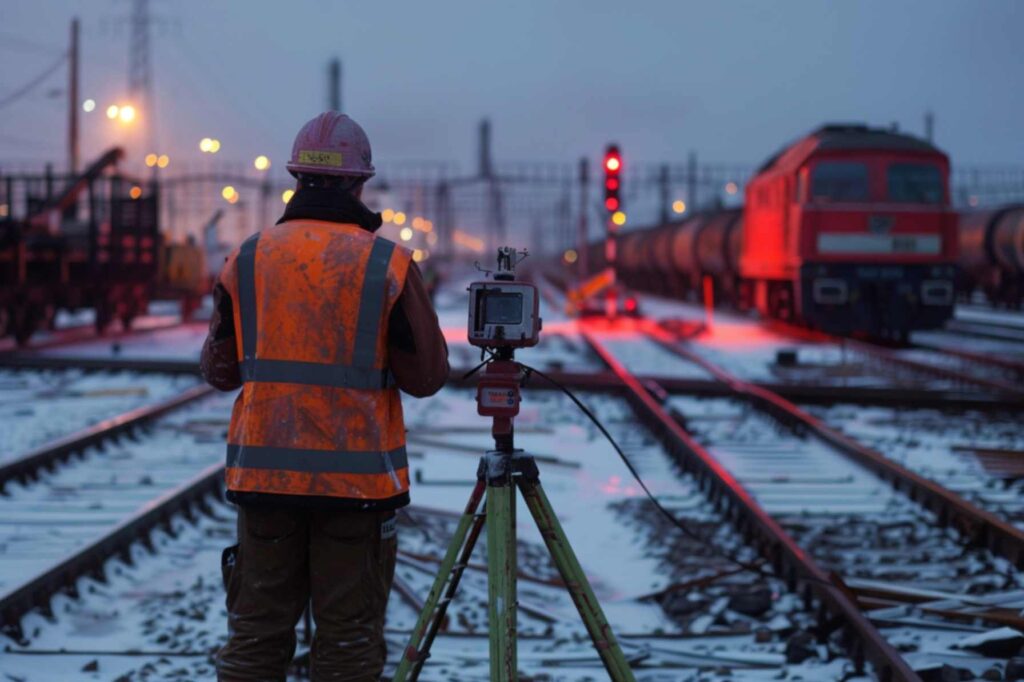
x,y
731,80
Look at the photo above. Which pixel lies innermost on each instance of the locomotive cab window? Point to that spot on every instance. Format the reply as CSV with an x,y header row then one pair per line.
x,y
834,181
915,183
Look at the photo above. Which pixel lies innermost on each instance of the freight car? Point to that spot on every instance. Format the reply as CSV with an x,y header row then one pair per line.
x,y
992,255
848,230
85,241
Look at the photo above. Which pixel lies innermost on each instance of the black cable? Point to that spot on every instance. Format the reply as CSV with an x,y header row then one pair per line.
x,y
28,87
707,542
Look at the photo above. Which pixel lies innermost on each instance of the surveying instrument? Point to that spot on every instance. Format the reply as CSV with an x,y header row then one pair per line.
x,y
503,316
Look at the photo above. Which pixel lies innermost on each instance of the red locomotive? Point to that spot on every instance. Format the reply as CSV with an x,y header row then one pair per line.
x,y
848,230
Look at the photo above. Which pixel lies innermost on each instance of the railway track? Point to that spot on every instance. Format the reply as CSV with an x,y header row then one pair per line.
x,y
880,520
182,578
129,472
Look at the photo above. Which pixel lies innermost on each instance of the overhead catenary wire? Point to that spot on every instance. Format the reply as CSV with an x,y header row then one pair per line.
x,y
34,83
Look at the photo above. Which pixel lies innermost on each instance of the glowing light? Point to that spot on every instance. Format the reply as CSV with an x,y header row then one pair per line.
x,y
205,144
127,113
418,255
570,256
387,215
163,160
619,218
151,160
112,111
214,146
417,223
4,210
431,238
468,241
405,234
612,163
261,162
135,192
233,199
228,192
428,226
399,218
287,195
611,203
88,105
972,200
731,188
679,206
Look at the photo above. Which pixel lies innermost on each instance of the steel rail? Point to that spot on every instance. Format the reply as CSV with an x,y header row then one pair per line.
x,y
1001,390
37,590
597,380
27,465
980,526
791,562
1004,389
1015,366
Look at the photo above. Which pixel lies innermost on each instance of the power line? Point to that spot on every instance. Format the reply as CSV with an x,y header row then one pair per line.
x,y
32,84
11,40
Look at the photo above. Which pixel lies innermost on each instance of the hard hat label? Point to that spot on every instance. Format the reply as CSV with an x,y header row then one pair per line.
x,y
315,158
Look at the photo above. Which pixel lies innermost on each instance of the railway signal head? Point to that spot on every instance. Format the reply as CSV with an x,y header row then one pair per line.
x,y
612,178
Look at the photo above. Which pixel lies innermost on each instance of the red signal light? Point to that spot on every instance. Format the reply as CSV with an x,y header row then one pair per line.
x,y
611,203
612,183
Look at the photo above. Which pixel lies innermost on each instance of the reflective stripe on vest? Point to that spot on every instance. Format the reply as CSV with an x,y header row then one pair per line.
x,y
361,374
316,461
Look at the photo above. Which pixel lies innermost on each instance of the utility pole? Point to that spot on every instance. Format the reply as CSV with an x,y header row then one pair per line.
x,y
140,73
485,170
334,85
691,180
663,193
73,100
584,227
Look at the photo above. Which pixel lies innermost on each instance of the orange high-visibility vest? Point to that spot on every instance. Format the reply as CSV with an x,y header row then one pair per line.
x,y
318,413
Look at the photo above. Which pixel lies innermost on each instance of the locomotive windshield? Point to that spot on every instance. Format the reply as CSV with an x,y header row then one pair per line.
x,y
839,181
915,183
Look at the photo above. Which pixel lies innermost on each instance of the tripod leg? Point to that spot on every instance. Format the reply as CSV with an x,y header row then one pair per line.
x,y
449,573
501,578
576,581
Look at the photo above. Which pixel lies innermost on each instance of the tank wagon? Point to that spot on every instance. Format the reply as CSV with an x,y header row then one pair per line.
x,y
848,230
992,255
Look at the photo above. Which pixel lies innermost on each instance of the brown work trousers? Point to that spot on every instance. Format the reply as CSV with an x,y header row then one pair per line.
x,y
343,560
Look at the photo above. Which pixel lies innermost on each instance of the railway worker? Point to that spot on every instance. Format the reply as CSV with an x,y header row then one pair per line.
x,y
321,323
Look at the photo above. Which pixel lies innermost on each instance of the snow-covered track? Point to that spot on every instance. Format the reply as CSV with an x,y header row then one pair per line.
x,y
37,590
789,560
981,527
26,466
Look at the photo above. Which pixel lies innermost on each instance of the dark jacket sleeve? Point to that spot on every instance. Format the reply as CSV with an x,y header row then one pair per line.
x,y
218,361
417,352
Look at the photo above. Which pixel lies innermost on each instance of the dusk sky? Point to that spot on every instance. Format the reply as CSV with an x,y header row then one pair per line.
x,y
731,80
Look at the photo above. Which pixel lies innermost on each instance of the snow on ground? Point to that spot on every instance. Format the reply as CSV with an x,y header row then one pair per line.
x,y
39,406
985,314
182,342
